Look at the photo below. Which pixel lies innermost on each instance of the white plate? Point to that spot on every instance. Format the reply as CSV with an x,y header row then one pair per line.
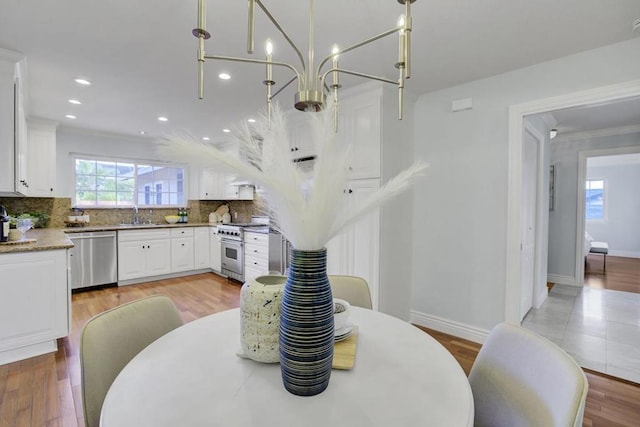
x,y
343,333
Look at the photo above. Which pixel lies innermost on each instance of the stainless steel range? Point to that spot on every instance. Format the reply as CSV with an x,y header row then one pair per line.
x,y
232,236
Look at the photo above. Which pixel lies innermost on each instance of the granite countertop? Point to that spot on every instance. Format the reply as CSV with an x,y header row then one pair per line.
x,y
47,239
40,239
120,227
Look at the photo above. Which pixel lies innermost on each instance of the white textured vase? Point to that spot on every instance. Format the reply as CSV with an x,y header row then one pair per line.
x,y
260,301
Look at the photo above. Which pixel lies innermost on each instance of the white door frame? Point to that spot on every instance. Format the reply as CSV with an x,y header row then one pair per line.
x,y
517,114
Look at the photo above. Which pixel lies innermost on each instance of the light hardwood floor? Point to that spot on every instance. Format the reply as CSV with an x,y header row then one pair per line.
x,y
622,274
45,390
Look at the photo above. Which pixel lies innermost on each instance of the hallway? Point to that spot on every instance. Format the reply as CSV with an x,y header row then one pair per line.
x,y
599,328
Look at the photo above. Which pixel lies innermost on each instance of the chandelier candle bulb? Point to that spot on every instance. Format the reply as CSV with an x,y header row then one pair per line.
x,y
336,82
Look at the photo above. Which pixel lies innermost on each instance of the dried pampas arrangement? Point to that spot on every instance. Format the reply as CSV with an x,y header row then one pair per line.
x,y
309,209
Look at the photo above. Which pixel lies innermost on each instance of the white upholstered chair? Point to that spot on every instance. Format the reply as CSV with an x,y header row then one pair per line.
x,y
111,339
521,379
353,289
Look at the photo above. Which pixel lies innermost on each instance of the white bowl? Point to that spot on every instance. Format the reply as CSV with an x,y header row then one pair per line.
x,y
341,311
172,219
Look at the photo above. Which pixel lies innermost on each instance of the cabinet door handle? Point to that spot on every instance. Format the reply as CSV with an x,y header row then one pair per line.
x,y
183,245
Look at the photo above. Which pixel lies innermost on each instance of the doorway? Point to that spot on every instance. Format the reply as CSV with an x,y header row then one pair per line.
x,y
517,115
580,322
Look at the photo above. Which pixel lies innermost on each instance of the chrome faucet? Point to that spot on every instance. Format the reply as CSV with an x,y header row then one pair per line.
x,y
135,219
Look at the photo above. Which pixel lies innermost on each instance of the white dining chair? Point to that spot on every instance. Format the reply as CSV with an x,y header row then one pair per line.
x,y
352,289
111,339
522,379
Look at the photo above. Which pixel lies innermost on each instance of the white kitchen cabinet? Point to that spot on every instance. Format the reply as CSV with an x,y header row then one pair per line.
x,y
356,250
35,304
201,248
143,253
216,185
212,185
359,127
301,145
13,128
182,254
375,247
41,157
215,249
256,254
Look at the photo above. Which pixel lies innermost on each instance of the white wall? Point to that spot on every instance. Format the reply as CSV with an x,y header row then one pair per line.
x,y
459,257
71,140
621,225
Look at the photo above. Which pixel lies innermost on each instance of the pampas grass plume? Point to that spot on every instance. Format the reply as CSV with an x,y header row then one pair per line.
x,y
308,210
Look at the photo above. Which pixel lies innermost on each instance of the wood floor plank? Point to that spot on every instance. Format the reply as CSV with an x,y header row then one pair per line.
x,y
609,403
622,274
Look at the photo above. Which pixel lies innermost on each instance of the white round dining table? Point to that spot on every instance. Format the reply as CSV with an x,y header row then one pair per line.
x,y
193,377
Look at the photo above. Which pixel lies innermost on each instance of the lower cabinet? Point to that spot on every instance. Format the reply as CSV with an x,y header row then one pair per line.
x,y
201,248
182,255
215,250
256,255
356,251
35,304
143,253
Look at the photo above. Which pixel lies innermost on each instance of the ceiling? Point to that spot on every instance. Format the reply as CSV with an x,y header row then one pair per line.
x,y
610,115
141,56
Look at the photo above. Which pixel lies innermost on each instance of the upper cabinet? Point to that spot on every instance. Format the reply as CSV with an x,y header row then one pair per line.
x,y
216,185
359,126
13,127
301,144
41,157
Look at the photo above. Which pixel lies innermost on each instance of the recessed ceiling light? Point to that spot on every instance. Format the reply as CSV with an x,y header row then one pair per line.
x,y
70,116
251,120
142,132
83,82
163,119
224,76
226,130
74,101
205,138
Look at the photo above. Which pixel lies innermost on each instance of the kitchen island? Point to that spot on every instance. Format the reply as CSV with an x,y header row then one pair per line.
x,y
35,300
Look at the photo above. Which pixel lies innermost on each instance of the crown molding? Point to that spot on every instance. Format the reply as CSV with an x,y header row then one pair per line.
x,y
599,133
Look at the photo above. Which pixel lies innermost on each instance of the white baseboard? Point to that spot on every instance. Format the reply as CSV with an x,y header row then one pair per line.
x,y
541,297
624,254
450,327
562,280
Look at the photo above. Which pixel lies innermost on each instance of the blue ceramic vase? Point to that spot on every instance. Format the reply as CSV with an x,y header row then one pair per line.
x,y
306,324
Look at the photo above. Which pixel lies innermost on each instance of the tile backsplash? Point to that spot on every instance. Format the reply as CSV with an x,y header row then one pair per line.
x,y
58,209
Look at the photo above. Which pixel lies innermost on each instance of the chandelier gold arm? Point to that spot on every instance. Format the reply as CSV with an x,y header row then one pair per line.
x,y
311,88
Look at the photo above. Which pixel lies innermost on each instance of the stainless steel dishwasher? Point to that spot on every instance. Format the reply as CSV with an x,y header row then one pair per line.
x,y
93,259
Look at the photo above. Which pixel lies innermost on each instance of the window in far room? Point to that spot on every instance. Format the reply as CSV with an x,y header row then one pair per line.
x,y
594,199
120,183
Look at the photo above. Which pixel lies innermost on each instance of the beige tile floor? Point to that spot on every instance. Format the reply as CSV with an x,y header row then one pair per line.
x,y
599,328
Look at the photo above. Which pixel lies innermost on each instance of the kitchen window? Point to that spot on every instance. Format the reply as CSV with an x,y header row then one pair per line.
x,y
121,183
594,199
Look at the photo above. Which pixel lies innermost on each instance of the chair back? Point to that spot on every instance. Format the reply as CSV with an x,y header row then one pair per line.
x,y
353,289
111,339
522,379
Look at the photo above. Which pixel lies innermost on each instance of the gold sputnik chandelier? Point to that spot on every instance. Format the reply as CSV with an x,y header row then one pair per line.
x,y
312,85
